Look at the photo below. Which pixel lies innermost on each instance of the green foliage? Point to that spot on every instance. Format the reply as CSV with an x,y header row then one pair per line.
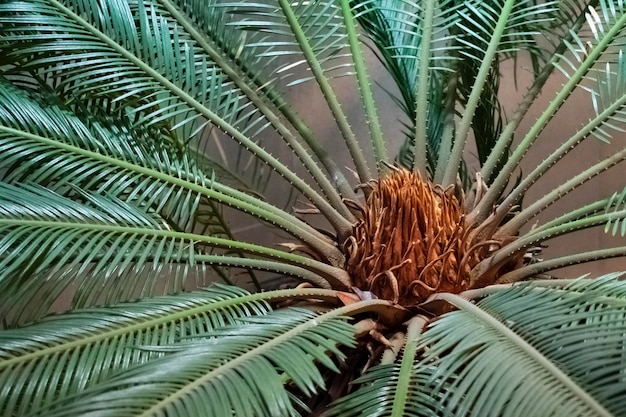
x,y
133,133
535,349
169,353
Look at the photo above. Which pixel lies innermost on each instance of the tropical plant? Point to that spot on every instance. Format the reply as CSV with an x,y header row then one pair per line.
x,y
133,133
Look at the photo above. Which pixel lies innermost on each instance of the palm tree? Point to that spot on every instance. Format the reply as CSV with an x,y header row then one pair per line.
x,y
133,133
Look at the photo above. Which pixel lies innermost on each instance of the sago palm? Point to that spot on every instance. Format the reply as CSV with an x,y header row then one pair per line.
x,y
410,282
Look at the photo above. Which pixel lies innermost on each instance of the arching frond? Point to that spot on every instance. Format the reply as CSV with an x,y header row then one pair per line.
x,y
156,68
610,87
542,348
114,202
603,45
376,395
415,44
167,78
107,244
391,389
564,345
314,31
104,166
94,242
527,20
220,346
62,355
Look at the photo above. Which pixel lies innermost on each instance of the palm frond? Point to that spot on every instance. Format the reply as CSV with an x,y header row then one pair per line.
x,y
274,37
251,71
568,20
375,395
40,363
315,31
87,166
493,30
105,244
391,389
527,20
153,53
609,105
400,30
188,86
41,164
98,162
565,339
603,45
94,242
553,339
227,349
610,83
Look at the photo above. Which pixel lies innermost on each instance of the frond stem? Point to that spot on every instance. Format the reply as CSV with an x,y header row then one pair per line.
x,y
534,237
555,156
560,262
215,191
405,381
306,273
556,284
576,214
529,98
277,341
332,274
520,151
465,124
515,224
329,95
221,305
371,114
420,159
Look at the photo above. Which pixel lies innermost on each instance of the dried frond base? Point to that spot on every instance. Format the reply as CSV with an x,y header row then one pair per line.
x,y
411,241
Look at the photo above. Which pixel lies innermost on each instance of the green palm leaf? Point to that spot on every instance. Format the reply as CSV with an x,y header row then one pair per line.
x,y
541,349
273,38
376,395
190,89
39,364
584,51
615,223
401,29
170,366
560,351
96,243
106,231
135,72
392,389
113,250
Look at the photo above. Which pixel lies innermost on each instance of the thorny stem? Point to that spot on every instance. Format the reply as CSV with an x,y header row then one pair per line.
x,y
560,262
329,95
464,127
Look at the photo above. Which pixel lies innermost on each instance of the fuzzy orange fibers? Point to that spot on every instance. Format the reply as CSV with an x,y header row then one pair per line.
x,y
410,242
